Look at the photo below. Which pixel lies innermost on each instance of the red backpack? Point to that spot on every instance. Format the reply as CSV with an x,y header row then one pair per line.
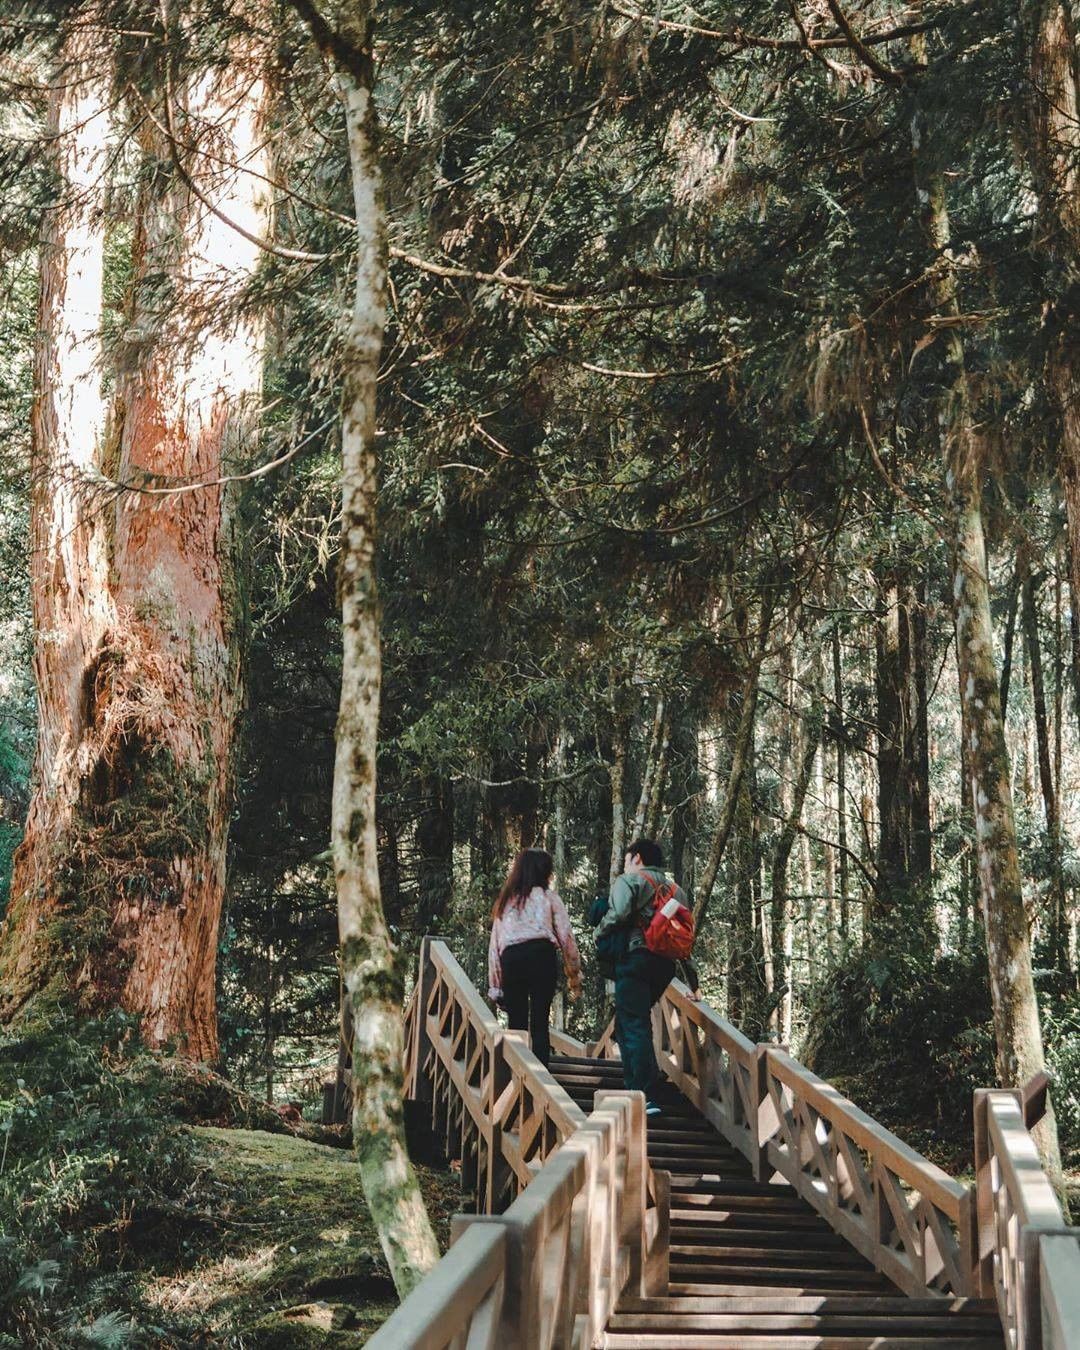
x,y
667,925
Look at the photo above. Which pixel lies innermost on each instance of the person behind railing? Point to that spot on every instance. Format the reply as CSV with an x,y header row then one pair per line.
x,y
641,976
529,927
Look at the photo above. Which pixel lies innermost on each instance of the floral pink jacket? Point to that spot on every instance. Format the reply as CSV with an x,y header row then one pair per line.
x,y
540,914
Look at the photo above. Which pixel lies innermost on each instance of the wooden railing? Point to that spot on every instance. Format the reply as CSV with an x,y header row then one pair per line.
x,y
1029,1258
591,1219
1003,1237
906,1216
492,1103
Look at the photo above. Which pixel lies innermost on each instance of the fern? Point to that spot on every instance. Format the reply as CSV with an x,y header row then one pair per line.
x,y
39,1279
110,1331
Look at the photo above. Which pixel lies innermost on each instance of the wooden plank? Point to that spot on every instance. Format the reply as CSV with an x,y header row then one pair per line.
x,y
443,1305
887,1148
859,1323
1059,1286
823,1303
643,1340
564,1044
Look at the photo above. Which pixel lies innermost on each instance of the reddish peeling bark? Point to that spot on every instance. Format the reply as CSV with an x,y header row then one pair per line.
x,y
72,607
119,882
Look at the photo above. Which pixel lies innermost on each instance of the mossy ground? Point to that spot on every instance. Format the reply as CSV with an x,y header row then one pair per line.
x,y
278,1250
148,1203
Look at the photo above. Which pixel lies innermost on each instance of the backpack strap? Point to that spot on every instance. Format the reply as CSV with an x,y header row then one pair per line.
x,y
658,889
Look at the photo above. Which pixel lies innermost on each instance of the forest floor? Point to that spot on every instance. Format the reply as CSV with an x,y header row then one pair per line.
x,y
148,1202
277,1250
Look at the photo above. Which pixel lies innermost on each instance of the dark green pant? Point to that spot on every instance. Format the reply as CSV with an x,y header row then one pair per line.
x,y
640,978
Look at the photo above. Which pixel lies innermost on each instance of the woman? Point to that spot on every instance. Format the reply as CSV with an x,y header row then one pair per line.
x,y
529,925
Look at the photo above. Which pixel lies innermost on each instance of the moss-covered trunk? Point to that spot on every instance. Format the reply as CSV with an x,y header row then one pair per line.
x,y
1018,1035
370,971
120,878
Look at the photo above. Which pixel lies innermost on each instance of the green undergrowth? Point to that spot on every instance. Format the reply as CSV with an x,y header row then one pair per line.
x,y
908,1038
125,1223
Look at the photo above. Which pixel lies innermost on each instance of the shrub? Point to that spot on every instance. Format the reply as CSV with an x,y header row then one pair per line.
x,y
89,1164
910,1037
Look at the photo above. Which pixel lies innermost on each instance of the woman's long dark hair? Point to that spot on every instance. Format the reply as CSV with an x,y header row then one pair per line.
x,y
532,867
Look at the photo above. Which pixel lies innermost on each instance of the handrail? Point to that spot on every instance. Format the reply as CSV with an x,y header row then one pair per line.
x,y
1059,1286
491,1101
712,1063
591,1218
564,1044
551,1269
461,1302
914,1222
908,1217
1030,1260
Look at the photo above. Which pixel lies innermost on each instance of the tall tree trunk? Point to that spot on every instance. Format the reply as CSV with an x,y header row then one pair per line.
x,y
746,973
435,849
841,786
1017,1031
1074,631
1056,924
1010,631
828,858
560,843
903,864
371,974
686,791
781,941
141,855
617,774
656,804
650,771
779,917
69,562
1053,133
602,843
740,755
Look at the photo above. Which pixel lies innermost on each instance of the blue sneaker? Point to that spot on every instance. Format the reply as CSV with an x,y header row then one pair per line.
x,y
651,1109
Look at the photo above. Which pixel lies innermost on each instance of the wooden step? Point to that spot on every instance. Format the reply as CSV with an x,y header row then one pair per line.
x,y
848,1324
763,1272
790,1286
694,1146
733,1217
839,1304
727,1249
742,1187
725,1234
664,1130
685,1165
811,1340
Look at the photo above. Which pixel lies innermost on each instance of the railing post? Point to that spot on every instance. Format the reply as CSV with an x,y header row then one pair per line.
x,y
425,981
520,1323
501,1175
635,1195
764,1122
983,1236
656,1271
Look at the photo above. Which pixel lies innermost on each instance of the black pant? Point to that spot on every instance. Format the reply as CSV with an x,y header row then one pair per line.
x,y
529,973
640,978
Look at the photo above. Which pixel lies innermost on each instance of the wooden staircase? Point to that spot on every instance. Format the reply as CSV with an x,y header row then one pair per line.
x,y
761,1209
752,1265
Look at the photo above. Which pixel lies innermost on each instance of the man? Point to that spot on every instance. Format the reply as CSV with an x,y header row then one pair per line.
x,y
641,976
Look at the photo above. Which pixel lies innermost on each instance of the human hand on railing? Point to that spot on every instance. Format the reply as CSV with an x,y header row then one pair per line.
x,y
694,995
